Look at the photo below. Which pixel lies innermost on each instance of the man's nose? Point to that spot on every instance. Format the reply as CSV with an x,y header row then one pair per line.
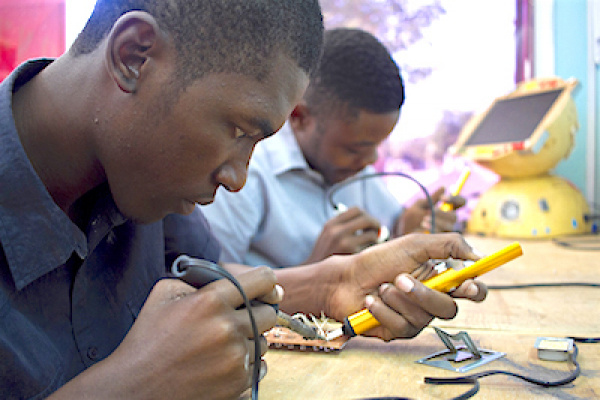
x,y
232,176
371,158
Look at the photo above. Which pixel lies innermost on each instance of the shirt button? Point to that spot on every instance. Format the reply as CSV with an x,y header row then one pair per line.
x,y
92,353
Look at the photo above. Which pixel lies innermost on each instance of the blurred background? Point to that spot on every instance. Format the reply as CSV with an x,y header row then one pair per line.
x,y
456,57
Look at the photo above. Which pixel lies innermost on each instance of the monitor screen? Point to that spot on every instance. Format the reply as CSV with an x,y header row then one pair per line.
x,y
513,119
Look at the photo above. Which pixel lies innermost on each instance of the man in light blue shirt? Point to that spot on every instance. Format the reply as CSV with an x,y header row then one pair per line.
x,y
285,214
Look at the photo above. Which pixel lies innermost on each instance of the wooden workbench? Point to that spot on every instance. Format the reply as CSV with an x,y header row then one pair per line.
x,y
507,321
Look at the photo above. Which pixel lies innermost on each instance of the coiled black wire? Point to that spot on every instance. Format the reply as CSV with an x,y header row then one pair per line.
x,y
379,174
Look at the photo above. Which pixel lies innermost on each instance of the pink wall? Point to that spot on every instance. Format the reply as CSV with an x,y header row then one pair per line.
x,y
30,28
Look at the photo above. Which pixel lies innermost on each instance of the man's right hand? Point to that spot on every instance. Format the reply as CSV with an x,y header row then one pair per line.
x,y
347,233
186,344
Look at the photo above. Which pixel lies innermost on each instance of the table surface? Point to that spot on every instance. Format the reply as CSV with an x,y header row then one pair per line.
x,y
508,321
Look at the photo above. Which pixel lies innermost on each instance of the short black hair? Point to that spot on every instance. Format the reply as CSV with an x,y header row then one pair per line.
x,y
212,36
356,72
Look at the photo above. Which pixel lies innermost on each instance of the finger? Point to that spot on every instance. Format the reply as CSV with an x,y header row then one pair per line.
x,y
251,359
471,289
250,349
423,247
426,223
347,215
364,222
405,310
397,314
444,221
275,296
362,240
425,270
263,370
437,195
255,283
354,220
262,374
431,301
265,317
456,201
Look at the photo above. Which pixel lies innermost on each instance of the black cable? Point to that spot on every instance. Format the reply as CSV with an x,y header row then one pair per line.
x,y
387,398
379,174
584,339
542,285
473,379
553,285
210,266
578,243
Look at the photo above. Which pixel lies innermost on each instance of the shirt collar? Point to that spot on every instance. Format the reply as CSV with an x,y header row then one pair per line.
x,y
284,153
36,235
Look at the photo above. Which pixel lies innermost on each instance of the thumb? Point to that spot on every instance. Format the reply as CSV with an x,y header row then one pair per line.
x,y
437,195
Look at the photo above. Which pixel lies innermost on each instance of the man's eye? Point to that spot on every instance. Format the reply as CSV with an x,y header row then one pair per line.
x,y
239,133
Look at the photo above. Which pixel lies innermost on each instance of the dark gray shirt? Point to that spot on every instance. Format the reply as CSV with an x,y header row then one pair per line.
x,y
67,296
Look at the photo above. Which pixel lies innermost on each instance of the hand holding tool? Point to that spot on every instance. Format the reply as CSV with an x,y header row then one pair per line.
x,y
457,188
447,280
198,272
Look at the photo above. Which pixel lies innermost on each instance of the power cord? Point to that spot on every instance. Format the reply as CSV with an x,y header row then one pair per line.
x,y
578,243
188,269
553,285
474,378
380,174
543,285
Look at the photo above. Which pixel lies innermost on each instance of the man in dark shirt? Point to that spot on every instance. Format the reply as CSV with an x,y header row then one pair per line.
x,y
156,105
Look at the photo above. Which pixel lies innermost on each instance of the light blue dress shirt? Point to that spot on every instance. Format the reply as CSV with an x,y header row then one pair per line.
x,y
277,217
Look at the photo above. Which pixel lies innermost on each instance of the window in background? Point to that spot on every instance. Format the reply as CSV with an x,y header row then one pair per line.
x,y
456,57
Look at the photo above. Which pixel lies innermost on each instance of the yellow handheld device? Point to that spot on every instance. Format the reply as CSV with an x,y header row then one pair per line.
x,y
447,280
457,188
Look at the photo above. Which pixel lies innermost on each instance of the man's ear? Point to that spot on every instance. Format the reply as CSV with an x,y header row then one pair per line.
x,y
301,117
131,42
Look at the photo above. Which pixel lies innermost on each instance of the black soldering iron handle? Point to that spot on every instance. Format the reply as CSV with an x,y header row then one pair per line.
x,y
183,268
198,272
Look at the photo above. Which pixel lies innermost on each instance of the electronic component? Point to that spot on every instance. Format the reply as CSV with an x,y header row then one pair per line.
x,y
554,349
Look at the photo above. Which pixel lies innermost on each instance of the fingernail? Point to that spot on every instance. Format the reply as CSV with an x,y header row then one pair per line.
x,y
384,287
369,300
280,291
405,284
478,253
473,290
247,362
263,370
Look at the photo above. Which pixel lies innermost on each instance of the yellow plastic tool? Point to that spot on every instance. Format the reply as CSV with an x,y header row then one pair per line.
x,y
449,279
457,188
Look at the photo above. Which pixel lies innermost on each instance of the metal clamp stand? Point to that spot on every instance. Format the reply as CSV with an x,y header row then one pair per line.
x,y
453,355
